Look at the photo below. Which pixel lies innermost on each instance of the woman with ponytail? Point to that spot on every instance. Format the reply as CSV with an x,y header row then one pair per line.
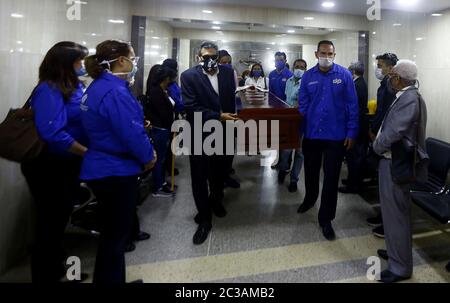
x,y
119,151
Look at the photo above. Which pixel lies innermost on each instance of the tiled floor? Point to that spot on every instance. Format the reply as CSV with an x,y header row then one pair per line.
x,y
262,239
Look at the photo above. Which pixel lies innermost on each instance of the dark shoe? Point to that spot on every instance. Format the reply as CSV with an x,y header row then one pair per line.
x,y
344,181
448,267
388,277
140,281
378,231
348,190
281,177
232,183
168,186
382,253
142,236
304,208
202,233
130,247
375,221
219,210
164,192
293,187
328,232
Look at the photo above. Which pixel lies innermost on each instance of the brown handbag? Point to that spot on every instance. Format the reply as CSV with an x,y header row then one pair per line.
x,y
19,139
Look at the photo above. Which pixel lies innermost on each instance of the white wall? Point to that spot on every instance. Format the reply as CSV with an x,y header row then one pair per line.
x,y
346,44
24,44
158,44
424,39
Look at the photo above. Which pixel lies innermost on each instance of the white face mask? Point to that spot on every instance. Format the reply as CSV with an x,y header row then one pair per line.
x,y
379,74
298,73
326,62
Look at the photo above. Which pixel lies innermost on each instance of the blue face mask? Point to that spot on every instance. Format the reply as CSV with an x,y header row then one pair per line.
x,y
280,65
257,73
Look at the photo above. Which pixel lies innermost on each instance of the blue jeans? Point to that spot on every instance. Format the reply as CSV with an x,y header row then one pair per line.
x,y
285,156
161,141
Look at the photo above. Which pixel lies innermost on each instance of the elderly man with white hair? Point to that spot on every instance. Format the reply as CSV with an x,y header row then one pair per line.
x,y
401,143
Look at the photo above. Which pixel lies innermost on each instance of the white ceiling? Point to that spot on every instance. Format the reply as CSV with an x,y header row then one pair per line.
x,y
353,7
243,27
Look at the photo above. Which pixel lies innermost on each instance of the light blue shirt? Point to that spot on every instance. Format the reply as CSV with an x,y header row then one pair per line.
x,y
292,91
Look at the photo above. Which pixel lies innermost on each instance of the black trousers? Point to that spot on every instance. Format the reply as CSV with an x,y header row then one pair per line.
x,y
53,182
208,178
332,155
117,197
355,162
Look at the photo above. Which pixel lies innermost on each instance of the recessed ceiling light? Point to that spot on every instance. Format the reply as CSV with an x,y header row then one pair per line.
x,y
328,4
93,34
15,15
397,24
19,42
436,15
216,22
268,48
205,11
273,43
116,21
291,31
84,42
309,18
216,27
156,46
156,38
419,38
374,33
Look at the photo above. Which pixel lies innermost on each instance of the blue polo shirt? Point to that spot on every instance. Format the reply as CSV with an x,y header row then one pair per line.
x,y
114,122
329,104
58,121
277,82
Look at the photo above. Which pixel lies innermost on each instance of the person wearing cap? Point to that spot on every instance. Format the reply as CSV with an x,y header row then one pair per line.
x,y
355,156
385,97
404,125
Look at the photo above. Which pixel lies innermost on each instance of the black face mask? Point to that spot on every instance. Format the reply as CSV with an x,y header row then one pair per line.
x,y
209,63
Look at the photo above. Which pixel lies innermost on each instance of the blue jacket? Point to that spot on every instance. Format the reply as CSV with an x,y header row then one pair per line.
x,y
277,82
114,122
58,122
329,104
174,92
200,96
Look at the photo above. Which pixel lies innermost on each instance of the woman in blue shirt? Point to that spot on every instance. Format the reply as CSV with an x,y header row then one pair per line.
x,y
53,176
119,151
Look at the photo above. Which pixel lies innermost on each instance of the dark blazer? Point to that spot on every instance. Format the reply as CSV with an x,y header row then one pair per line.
x,y
159,109
363,97
384,102
199,95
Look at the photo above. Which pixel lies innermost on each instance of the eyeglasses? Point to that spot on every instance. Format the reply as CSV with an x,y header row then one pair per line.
x,y
212,57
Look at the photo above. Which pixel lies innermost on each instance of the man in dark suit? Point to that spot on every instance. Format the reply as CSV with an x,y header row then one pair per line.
x,y
208,89
355,156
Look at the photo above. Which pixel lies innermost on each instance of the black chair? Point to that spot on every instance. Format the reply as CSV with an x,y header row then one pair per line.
x,y
439,166
433,196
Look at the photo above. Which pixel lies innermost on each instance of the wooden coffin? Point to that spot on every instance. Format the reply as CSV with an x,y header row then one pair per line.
x,y
259,106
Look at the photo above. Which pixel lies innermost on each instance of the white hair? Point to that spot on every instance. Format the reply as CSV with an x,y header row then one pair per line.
x,y
406,69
